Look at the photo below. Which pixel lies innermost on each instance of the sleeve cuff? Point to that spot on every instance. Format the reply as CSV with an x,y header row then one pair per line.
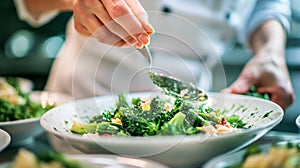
x,y
24,15
268,10
264,16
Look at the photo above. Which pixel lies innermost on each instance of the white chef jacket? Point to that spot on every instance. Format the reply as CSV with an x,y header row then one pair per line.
x,y
190,37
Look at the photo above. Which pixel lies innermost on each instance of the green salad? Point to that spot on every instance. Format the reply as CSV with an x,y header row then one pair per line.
x,y
156,116
15,104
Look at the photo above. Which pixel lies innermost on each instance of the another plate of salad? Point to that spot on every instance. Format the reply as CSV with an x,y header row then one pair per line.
x,y
169,130
284,154
21,109
51,159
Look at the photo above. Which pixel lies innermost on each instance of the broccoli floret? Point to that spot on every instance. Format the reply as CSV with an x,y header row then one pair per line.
x,y
175,126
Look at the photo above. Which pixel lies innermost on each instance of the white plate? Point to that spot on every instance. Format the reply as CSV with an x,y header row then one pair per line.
x,y
175,151
24,131
110,161
229,160
298,121
4,139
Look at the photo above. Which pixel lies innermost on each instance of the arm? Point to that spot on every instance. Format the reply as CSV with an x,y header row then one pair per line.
x,y
267,69
37,7
38,13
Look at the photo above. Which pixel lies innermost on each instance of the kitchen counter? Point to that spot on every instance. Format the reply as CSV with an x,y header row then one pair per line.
x,y
42,144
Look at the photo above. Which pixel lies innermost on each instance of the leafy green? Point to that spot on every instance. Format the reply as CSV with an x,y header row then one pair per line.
x,y
155,116
174,126
252,150
235,121
10,111
14,82
51,156
253,92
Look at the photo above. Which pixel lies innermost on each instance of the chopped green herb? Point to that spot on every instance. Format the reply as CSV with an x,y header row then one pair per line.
x,y
253,92
155,116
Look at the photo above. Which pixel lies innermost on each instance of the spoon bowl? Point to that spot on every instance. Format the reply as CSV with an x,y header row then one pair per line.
x,y
177,88
172,86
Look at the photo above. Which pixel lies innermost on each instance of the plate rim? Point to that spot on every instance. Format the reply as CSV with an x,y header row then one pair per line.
x,y
21,121
297,121
187,137
7,139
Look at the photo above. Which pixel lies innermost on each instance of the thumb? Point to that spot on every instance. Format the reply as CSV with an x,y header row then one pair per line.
x,y
240,86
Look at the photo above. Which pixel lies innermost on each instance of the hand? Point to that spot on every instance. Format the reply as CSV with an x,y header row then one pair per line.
x,y
268,76
115,22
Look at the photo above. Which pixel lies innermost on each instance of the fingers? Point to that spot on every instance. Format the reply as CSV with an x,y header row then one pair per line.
x,y
113,26
267,79
283,96
122,14
141,14
90,26
82,29
240,86
124,20
89,22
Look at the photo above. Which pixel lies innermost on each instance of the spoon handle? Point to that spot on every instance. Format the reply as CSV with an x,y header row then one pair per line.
x,y
147,54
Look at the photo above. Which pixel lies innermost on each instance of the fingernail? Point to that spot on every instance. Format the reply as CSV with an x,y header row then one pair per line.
x,y
150,30
143,38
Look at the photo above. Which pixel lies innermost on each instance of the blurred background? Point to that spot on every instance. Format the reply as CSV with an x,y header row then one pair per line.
x,y
26,51
29,52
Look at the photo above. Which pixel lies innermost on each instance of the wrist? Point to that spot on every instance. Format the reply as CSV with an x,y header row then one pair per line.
x,y
270,37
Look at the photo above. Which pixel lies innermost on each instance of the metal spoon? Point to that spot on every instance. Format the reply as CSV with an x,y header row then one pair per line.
x,y
173,86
